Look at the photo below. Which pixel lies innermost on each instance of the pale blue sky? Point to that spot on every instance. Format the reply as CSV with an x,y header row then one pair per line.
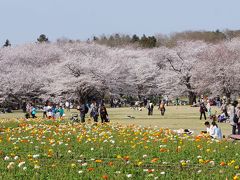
x,y
24,20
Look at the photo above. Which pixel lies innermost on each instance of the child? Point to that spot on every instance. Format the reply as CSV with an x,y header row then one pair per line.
x,y
61,112
33,112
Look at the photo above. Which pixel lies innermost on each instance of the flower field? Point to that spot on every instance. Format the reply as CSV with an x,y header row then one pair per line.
x,y
42,149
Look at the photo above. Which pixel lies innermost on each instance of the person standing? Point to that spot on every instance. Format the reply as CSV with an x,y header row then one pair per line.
x,y
234,118
162,108
224,108
166,99
103,113
202,110
209,110
177,101
61,112
83,111
67,105
150,108
33,112
45,109
94,111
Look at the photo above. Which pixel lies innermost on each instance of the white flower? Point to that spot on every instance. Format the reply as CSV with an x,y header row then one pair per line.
x,y
144,156
112,141
156,177
25,168
92,149
6,158
162,173
212,163
10,165
60,142
80,172
69,151
84,164
129,175
36,166
118,172
16,158
162,146
199,171
199,157
21,164
36,155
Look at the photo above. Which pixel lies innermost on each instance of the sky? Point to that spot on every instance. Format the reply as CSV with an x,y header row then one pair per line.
x,y
22,21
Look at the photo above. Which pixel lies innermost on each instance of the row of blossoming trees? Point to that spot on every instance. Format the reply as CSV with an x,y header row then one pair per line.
x,y
84,70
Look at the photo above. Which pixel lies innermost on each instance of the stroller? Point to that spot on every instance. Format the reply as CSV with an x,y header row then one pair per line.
x,y
74,117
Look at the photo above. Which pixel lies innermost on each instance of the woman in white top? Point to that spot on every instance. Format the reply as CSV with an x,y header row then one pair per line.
x,y
216,131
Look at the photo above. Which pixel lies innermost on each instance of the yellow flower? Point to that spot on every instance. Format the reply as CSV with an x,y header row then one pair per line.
x,y
98,160
139,163
119,156
201,161
184,163
235,177
73,165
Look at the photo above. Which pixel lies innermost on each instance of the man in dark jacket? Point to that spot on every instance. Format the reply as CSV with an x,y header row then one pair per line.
x,y
203,109
83,111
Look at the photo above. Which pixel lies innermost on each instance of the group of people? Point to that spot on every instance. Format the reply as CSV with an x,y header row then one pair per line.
x,y
213,130
31,111
230,113
161,107
95,109
55,111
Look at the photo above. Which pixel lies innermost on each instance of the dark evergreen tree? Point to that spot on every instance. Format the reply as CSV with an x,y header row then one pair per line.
x,y
135,38
7,43
42,38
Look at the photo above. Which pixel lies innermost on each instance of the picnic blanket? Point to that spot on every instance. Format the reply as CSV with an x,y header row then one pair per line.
x,y
235,136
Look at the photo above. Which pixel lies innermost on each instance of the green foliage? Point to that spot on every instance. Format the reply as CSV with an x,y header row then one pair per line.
x,y
7,43
42,38
148,42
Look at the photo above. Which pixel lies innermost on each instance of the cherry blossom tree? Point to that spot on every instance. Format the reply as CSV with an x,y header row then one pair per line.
x,y
219,69
180,65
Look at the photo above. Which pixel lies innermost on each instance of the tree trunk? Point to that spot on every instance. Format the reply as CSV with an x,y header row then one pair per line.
x,y
191,97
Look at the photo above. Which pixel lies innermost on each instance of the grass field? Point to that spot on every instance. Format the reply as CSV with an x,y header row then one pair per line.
x,y
45,149
176,117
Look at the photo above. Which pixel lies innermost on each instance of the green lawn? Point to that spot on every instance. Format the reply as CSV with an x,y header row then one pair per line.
x,y
176,117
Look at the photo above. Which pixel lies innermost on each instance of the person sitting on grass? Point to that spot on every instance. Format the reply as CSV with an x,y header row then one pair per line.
x,y
216,131
209,128
222,118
